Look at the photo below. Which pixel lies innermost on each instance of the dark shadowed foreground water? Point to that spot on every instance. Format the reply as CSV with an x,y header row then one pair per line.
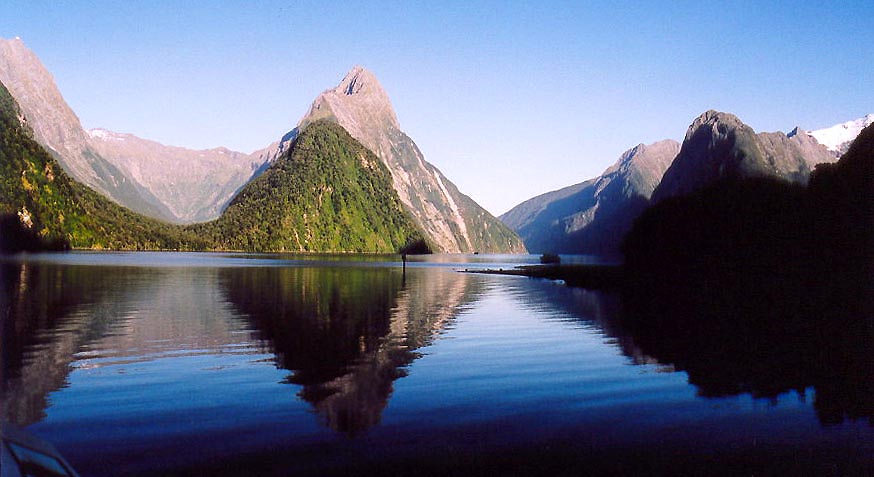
x,y
206,364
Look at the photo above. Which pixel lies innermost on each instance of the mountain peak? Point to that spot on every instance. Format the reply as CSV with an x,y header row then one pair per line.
x,y
359,104
359,80
715,120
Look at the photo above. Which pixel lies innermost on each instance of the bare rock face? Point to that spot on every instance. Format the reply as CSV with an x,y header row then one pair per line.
x,y
720,146
194,185
56,127
168,183
452,221
588,217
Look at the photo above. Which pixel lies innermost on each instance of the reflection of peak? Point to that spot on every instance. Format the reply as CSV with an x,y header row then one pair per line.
x,y
346,354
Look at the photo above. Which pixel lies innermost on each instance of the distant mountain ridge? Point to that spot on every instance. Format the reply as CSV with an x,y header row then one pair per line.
x,y
720,146
41,206
717,146
587,217
327,193
57,128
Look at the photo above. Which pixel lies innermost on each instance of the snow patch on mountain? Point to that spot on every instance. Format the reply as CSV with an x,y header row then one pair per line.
x,y
837,137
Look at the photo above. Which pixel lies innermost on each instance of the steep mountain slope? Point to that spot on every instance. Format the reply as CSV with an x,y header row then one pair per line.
x,y
169,183
839,137
42,207
327,193
587,217
720,146
57,128
450,220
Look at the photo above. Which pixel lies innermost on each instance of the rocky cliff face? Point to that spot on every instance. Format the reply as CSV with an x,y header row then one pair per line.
x,y
57,128
720,146
452,221
169,183
587,217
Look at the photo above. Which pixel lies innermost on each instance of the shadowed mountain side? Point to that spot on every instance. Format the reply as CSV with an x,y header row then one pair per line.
x,y
759,286
326,193
588,217
720,146
347,334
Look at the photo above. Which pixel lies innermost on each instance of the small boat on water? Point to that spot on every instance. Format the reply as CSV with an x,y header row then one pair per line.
x,y
24,455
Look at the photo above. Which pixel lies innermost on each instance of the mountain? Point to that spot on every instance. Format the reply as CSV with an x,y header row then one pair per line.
x,y
164,182
326,193
587,217
57,128
839,137
753,270
42,207
451,221
720,146
195,185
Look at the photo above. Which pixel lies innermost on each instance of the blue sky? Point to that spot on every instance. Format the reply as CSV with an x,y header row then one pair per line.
x,y
508,99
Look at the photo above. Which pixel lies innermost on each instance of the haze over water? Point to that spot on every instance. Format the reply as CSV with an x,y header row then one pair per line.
x,y
189,364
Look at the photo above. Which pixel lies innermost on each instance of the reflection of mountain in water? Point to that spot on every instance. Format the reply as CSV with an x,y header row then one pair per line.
x,y
747,335
43,325
761,287
347,333
56,317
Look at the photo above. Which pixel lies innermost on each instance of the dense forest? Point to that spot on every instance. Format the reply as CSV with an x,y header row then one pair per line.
x,y
329,193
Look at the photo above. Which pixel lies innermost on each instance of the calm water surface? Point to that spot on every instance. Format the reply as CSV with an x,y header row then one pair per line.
x,y
212,364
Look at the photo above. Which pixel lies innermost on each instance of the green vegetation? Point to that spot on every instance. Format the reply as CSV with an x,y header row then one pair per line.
x,y
42,207
329,193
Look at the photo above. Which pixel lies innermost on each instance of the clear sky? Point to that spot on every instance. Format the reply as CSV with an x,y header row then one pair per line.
x,y
508,99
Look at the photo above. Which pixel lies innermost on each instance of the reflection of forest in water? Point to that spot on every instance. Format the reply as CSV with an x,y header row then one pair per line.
x,y
345,333
732,344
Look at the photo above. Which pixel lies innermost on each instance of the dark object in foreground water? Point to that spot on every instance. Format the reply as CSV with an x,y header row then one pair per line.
x,y
594,277
23,454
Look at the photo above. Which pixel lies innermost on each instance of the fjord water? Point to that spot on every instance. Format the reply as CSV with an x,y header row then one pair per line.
x,y
213,364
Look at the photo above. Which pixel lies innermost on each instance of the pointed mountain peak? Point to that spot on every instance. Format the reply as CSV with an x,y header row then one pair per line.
x,y
15,51
359,80
358,103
